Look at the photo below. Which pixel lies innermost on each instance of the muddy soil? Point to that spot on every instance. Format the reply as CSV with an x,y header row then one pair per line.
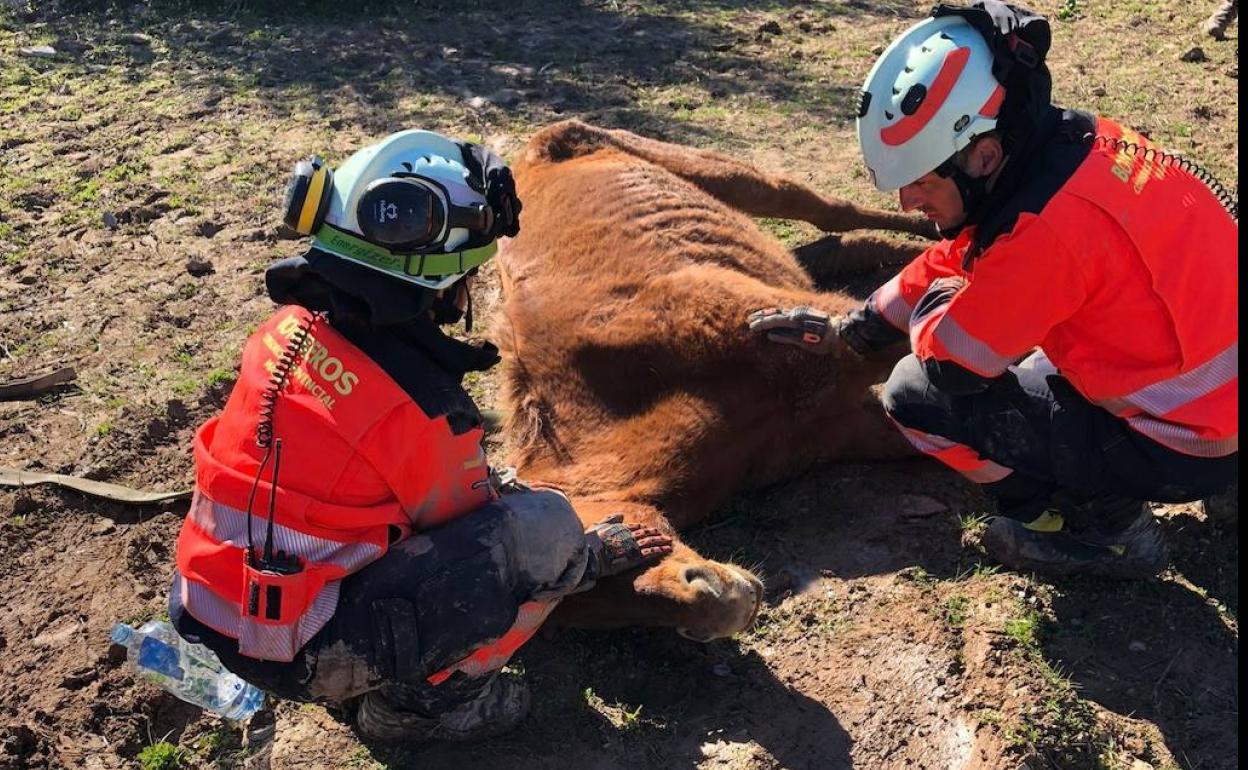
x,y
140,169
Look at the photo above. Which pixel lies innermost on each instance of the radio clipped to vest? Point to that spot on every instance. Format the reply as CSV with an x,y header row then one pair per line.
x,y
273,576
1225,197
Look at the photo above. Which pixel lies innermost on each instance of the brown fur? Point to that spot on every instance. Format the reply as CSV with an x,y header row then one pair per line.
x,y
632,381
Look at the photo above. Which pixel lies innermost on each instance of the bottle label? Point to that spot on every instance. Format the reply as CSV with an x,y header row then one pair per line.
x,y
162,658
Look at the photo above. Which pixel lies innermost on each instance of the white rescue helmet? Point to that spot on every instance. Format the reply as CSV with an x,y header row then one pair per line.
x,y
930,93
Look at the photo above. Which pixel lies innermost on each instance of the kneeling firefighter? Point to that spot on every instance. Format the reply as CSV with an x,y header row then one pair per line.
x,y
1075,335
347,540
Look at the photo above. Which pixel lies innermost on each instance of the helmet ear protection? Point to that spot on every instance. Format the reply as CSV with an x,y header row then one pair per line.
x,y
403,211
406,212
308,192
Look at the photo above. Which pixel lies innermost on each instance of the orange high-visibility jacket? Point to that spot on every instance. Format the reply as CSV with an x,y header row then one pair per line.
x,y
362,466
1126,279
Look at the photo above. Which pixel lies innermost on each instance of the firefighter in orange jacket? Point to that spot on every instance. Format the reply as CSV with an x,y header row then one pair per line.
x,y
347,540
1074,336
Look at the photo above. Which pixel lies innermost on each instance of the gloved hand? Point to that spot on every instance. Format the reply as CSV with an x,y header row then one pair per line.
x,y
809,329
618,547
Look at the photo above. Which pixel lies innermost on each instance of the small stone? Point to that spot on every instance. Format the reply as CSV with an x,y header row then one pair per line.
x,y
478,102
80,678
1194,54
110,220
71,46
37,52
919,506
1137,646
879,49
135,38
103,527
208,229
199,267
507,97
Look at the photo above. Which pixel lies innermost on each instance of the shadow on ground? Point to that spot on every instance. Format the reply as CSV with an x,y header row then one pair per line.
x,y
1164,651
658,700
533,61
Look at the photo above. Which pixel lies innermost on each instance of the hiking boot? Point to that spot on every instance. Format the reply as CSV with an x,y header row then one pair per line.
x,y
501,707
1215,26
380,720
1046,546
1223,508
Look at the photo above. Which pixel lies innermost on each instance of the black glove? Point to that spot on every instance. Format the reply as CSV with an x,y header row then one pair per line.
x,y
489,175
616,547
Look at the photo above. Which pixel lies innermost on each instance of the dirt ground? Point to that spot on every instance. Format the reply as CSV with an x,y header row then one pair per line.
x,y
141,166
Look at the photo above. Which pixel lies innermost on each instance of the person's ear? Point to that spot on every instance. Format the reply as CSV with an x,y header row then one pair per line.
x,y
987,155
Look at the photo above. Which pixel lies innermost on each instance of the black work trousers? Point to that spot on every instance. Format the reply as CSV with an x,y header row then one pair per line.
x,y
429,602
1061,450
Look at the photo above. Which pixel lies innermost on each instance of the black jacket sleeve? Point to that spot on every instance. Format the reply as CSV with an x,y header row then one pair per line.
x,y
866,331
946,376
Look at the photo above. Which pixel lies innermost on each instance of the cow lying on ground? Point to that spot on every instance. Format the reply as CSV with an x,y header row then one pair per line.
x,y
631,380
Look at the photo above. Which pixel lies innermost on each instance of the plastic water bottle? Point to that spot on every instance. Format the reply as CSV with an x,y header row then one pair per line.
x,y
190,671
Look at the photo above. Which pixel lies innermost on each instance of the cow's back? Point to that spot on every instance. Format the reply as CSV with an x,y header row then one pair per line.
x,y
616,216
628,370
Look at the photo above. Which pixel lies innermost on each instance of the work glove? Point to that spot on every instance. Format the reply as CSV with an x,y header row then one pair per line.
x,y
616,546
804,327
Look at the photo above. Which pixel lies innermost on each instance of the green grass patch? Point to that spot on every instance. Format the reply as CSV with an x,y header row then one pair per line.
x,y
163,756
87,192
955,610
1022,629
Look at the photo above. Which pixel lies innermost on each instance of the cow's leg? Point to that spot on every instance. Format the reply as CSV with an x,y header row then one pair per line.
x,y
700,598
738,184
834,257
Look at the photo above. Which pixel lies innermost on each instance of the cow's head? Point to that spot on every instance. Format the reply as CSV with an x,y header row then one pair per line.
x,y
700,598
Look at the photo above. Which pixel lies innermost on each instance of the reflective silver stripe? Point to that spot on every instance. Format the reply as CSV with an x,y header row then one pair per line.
x,y
986,473
1183,439
888,302
926,442
965,348
226,524
258,640
1164,397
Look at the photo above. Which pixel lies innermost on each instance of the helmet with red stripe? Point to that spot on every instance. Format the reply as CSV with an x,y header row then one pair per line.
x,y
929,94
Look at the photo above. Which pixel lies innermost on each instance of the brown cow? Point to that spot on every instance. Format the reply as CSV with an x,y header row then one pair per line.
x,y
631,380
